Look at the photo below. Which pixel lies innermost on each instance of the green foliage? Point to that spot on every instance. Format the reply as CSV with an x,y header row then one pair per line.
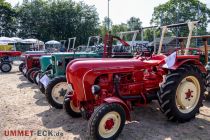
x,y
57,20
176,11
134,23
149,34
107,22
7,19
119,28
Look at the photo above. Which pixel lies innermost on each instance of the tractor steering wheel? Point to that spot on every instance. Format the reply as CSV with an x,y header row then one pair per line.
x,y
142,53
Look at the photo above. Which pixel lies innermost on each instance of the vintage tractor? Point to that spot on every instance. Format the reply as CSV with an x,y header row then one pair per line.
x,y
6,58
32,65
22,65
105,90
41,51
204,58
53,83
47,67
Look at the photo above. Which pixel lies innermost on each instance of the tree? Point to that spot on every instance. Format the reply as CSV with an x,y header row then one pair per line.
x,y
107,23
57,19
119,28
149,34
134,23
7,19
176,11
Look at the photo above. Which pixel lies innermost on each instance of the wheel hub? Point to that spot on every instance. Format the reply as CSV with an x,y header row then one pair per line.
x,y
109,124
62,92
187,94
5,67
59,91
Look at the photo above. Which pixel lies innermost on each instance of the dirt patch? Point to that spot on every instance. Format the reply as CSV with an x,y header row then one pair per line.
x,y
23,107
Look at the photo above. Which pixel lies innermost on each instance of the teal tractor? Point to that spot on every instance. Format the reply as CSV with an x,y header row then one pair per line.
x,y
53,82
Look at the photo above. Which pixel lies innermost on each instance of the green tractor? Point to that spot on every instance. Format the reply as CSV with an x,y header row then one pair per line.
x,y
52,79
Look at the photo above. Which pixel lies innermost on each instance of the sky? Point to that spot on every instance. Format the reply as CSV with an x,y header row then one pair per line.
x,y
122,10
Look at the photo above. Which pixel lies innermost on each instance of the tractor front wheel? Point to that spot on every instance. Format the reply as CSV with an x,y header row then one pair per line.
x,y
5,67
107,122
36,77
55,91
41,87
181,95
21,67
30,74
70,108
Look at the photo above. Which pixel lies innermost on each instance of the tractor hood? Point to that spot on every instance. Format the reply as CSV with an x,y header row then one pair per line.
x,y
77,54
45,61
83,73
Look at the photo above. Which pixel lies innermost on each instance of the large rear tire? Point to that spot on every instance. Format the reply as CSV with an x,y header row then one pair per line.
x,y
181,95
208,86
5,67
107,122
55,91
30,74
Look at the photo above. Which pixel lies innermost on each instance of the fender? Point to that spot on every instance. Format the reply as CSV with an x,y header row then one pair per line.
x,y
122,103
189,61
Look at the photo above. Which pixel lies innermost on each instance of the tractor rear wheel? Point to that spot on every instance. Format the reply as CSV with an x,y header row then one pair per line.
x,y
56,90
5,67
21,67
71,109
208,86
36,76
30,74
181,95
107,122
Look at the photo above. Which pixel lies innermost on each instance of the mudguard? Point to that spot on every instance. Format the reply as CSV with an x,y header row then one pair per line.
x,y
189,61
122,103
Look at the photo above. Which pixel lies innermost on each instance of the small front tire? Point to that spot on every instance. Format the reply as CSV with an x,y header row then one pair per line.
x,y
107,122
30,74
56,90
36,74
41,87
21,66
5,67
70,109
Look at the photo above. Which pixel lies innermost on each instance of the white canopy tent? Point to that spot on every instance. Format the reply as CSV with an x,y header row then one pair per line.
x,y
53,42
17,39
34,42
52,45
7,40
30,41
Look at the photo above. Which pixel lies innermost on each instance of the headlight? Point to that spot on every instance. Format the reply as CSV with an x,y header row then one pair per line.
x,y
95,89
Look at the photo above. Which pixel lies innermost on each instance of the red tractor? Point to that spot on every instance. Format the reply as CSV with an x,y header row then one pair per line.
x,y
6,57
105,90
31,65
